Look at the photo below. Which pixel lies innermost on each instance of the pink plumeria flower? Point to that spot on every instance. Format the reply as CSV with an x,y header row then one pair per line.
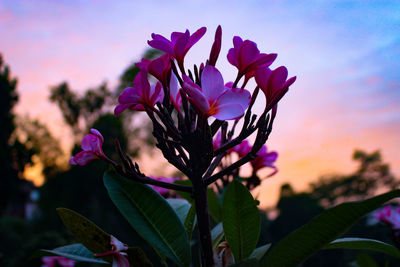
x,y
265,159
119,257
216,47
246,56
57,261
179,45
242,149
390,216
273,84
174,91
139,96
159,67
214,98
92,149
161,190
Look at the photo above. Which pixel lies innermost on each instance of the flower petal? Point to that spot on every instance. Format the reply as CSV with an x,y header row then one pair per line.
x,y
83,158
212,83
229,111
161,43
237,96
195,37
262,76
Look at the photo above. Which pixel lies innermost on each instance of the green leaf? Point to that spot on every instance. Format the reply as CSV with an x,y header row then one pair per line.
x,y
365,260
76,252
151,216
217,233
214,205
190,221
259,252
364,243
321,230
180,206
185,195
85,231
241,220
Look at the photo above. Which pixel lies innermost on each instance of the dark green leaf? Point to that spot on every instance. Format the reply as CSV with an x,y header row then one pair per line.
x,y
241,220
214,205
217,233
365,260
76,252
180,206
364,243
259,252
185,195
151,216
321,230
190,221
85,231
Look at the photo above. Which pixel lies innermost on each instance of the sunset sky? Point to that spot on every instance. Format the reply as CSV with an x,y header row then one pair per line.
x,y
345,54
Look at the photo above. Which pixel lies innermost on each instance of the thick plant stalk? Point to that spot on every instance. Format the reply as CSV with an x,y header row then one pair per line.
x,y
203,221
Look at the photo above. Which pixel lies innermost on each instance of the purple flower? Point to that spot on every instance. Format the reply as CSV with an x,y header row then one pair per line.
x,y
265,159
273,84
57,261
161,190
139,96
214,98
159,67
216,47
92,149
246,56
390,216
119,257
179,44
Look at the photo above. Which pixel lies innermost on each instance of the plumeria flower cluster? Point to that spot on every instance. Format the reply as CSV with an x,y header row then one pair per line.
x,y
391,217
190,109
117,253
57,261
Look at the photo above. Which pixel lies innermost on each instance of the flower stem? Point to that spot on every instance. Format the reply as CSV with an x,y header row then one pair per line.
x,y
203,220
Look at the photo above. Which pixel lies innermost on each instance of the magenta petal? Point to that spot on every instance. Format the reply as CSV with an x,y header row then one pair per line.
x,y
212,83
161,43
143,64
237,41
175,36
98,134
117,245
163,46
83,158
195,37
121,108
278,78
88,141
238,96
120,260
130,95
197,98
264,60
180,46
262,76
247,53
232,57
271,156
229,111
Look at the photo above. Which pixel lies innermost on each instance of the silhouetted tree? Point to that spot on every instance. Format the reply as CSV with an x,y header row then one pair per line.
x,y
372,175
13,154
